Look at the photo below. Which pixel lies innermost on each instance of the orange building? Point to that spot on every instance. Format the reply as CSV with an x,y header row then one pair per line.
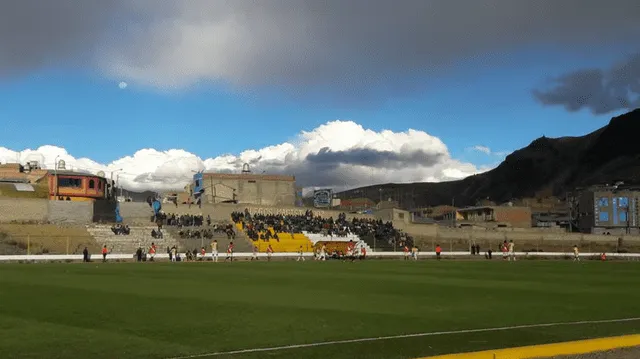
x,y
74,186
60,185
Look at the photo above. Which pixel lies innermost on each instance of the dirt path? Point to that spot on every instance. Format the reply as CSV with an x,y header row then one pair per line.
x,y
626,353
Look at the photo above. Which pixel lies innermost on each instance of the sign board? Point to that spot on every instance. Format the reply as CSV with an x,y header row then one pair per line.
x,y
322,197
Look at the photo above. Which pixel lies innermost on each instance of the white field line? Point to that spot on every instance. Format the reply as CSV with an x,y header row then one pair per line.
x,y
402,336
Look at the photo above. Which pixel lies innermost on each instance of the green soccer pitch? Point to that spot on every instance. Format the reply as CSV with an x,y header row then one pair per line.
x,y
206,310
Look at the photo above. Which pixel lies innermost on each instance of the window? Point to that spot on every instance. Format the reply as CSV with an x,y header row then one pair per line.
x,y
69,182
603,202
603,217
623,202
92,184
623,216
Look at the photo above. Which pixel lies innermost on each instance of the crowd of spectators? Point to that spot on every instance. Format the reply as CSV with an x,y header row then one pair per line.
x,y
121,230
182,220
256,225
208,232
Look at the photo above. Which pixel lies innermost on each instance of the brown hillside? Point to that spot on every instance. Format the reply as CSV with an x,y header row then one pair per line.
x,y
547,167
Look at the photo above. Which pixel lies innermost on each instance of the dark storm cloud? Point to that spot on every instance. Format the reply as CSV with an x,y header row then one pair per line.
x,y
326,158
599,91
355,48
35,33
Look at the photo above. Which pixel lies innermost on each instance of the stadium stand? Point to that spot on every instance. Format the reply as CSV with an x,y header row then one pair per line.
x,y
289,232
196,237
139,236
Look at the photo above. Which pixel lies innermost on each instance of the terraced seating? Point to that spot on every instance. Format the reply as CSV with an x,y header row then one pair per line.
x,y
375,233
286,242
140,236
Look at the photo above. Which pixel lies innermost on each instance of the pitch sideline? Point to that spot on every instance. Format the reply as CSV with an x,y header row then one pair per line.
x,y
401,336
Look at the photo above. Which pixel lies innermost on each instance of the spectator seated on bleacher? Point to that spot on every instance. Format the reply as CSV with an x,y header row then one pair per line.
x,y
262,227
121,230
182,220
156,234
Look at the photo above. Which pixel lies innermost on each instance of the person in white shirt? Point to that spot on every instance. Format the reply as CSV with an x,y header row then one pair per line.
x,y
254,256
214,251
512,251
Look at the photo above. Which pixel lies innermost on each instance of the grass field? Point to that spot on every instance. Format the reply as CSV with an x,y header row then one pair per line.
x,y
169,310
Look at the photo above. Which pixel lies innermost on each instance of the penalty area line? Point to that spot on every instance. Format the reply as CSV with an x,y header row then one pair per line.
x,y
402,336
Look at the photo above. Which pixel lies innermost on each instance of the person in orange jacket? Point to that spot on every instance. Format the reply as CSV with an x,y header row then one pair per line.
x,y
105,251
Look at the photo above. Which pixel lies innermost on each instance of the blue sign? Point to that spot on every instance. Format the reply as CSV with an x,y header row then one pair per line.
x,y
118,216
322,198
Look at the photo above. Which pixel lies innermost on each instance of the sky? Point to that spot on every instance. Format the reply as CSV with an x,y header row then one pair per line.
x,y
338,93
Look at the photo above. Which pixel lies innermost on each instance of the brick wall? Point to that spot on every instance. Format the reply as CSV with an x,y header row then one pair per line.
x,y
516,216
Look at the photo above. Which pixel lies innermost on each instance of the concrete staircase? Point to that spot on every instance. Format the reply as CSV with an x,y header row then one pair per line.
x,y
139,236
241,242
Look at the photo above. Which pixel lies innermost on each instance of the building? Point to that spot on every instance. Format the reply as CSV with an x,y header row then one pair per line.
x,y
245,188
608,210
356,204
499,215
443,213
55,185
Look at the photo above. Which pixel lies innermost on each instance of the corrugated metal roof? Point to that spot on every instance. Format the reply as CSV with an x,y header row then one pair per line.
x,y
24,187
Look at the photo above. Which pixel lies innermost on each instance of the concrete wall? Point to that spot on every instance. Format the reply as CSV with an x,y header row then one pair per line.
x,y
140,212
23,210
76,212
104,211
428,234
261,190
43,210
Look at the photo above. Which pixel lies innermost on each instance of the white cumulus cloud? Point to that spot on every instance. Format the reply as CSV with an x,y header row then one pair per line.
x,y
339,154
482,149
122,85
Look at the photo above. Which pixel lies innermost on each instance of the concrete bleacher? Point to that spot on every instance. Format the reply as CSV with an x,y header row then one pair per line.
x,y
140,236
286,242
241,243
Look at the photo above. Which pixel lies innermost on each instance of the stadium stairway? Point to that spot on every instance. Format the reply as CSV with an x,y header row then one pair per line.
x,y
139,236
286,243
241,242
378,245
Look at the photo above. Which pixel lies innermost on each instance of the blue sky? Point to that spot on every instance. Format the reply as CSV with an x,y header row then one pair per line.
x,y
494,108
212,110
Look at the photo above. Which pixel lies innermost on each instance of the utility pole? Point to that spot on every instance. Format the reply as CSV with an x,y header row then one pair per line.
x,y
570,207
453,213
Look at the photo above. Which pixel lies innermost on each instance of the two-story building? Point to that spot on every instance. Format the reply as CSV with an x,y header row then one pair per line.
x,y
609,210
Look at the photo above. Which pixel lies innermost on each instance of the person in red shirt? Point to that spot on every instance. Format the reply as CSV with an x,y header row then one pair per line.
x,y
229,252
269,253
438,251
406,252
203,253
363,253
505,250
152,251
105,251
